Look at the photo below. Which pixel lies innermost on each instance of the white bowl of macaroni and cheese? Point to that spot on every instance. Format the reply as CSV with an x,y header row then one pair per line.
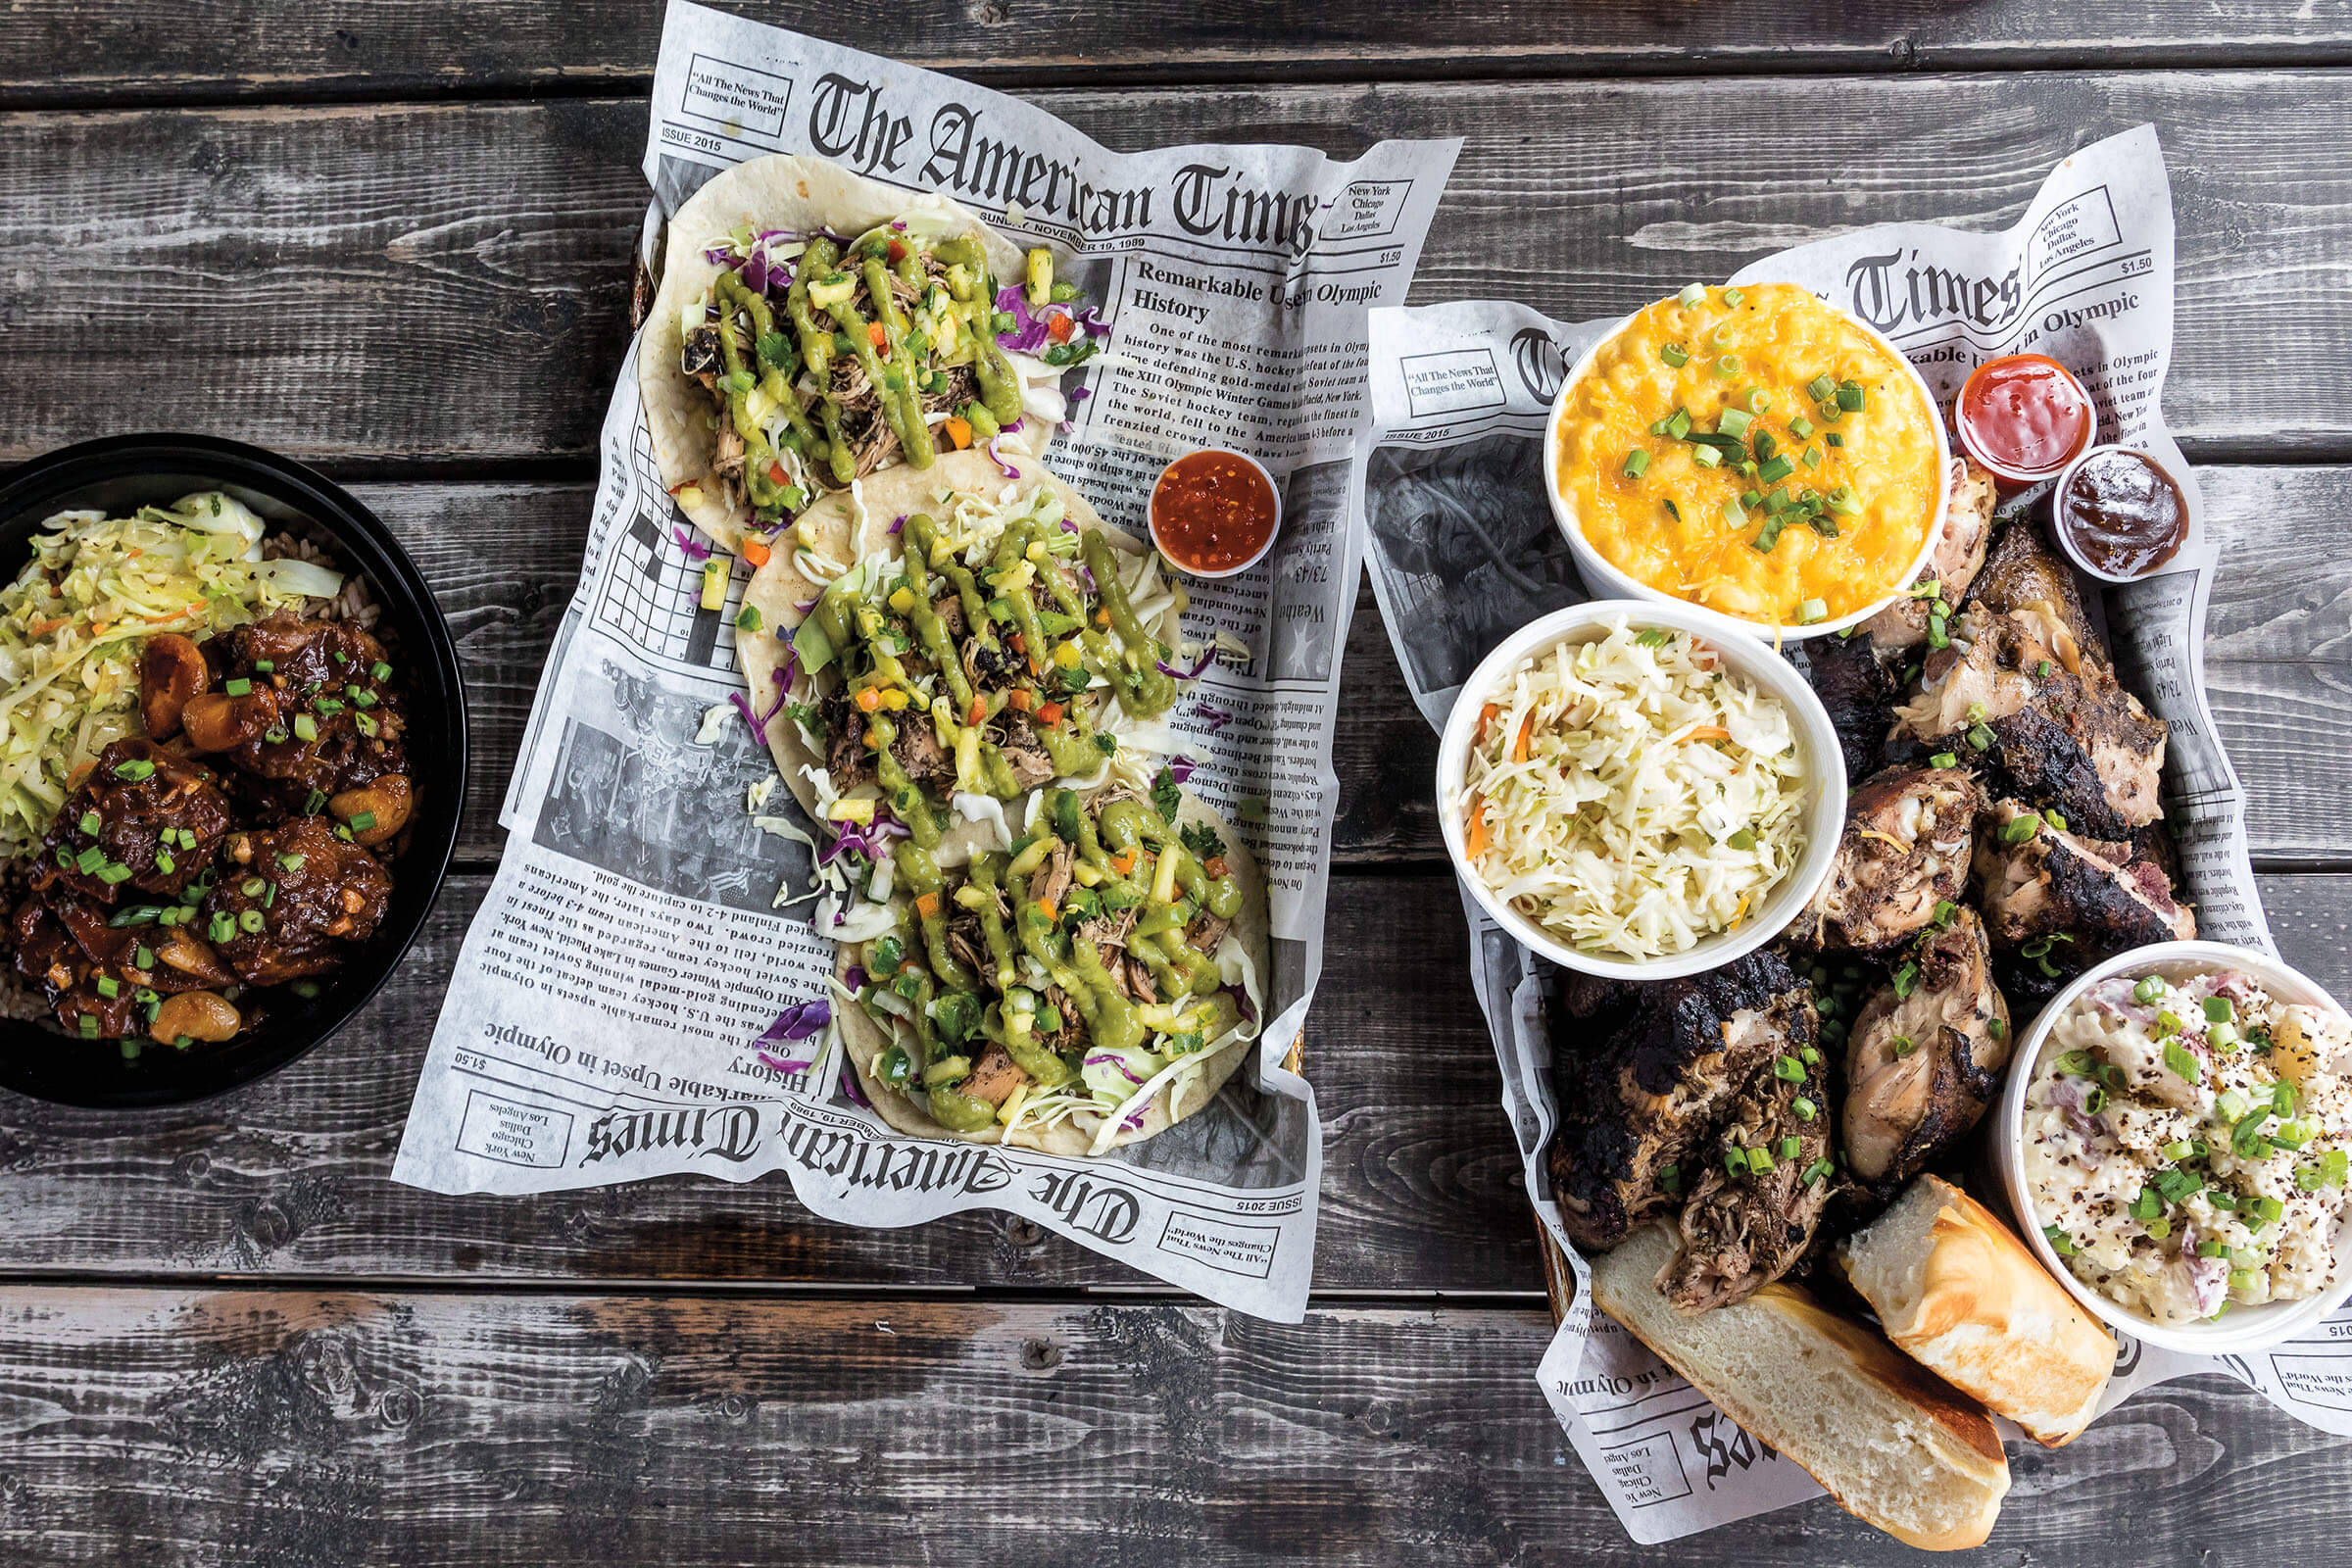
x,y
2176,1142
1752,453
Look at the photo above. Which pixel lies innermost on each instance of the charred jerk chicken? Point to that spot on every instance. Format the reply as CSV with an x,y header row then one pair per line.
x,y
240,844
1703,1098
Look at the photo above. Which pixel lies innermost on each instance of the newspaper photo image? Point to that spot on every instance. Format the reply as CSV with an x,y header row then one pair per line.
x,y
1464,550
648,989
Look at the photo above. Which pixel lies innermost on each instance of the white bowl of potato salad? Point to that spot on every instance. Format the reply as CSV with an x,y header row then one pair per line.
x,y
1751,452
2179,1147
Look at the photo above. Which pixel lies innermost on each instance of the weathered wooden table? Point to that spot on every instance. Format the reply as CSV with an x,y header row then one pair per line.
x,y
394,237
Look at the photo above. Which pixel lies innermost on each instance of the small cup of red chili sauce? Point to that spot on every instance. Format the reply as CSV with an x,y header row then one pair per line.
x,y
2025,417
1215,512
2118,514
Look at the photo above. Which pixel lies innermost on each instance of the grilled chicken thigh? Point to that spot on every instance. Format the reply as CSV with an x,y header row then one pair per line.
x,y
1925,1054
2041,881
2020,572
1644,1073
1959,556
1905,847
2026,694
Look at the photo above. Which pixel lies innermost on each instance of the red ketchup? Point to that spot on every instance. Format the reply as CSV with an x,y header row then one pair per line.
x,y
1214,512
2025,417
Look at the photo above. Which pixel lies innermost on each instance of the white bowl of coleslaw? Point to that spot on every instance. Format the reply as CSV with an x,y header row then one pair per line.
x,y
1632,795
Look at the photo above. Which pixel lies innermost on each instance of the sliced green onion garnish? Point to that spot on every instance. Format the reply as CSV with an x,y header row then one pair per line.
x,y
1728,366
1850,396
1675,355
1735,423
1691,294
1812,611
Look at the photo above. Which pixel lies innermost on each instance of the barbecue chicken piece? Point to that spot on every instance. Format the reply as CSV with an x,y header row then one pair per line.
x,y
1925,1055
1905,847
1858,691
2056,902
1645,1072
1959,556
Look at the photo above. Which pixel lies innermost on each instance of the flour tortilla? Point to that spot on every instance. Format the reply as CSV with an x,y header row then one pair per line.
x,y
800,196
867,1037
780,589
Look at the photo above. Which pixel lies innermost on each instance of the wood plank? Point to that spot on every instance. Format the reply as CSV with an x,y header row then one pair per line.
x,y
406,286
52,51
341,1428
290,1179
505,557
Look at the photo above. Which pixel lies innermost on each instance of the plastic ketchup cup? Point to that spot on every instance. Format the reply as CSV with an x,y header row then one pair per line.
x,y
2025,417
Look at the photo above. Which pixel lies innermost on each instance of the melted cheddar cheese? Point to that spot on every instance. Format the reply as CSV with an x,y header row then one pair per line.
x,y
1762,356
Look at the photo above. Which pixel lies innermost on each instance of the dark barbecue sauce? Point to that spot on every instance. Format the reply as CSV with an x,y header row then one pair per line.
x,y
2121,514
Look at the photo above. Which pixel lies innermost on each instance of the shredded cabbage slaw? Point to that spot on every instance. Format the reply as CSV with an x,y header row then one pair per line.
x,y
71,623
1630,796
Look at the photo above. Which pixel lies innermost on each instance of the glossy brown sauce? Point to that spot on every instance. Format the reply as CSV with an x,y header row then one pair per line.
x,y
2123,514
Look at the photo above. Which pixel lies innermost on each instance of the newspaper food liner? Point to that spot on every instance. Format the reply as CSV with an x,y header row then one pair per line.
x,y
626,1002
1463,551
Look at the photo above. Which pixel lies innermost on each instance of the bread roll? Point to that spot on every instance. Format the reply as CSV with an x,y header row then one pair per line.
x,y
1954,1287
1896,1446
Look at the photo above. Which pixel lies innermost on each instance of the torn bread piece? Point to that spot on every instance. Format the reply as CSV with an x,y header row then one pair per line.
x,y
1954,1287
1896,1447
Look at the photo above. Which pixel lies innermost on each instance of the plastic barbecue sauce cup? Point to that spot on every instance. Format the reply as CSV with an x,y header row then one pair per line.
x,y
1215,512
2025,417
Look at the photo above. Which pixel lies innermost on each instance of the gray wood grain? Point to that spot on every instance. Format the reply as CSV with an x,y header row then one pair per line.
x,y
329,1429
290,1179
446,284
2278,664
53,51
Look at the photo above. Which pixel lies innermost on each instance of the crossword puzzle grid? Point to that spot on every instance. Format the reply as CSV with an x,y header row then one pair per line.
x,y
652,591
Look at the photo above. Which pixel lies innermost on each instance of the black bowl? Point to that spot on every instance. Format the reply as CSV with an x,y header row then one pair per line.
x,y
119,474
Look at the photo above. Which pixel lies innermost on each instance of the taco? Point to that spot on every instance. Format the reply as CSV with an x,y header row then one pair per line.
x,y
1091,987
969,632
814,326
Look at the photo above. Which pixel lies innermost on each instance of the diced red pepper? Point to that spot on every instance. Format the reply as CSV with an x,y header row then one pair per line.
x,y
1060,327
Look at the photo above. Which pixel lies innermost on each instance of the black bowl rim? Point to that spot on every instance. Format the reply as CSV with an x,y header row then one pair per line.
x,y
336,511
